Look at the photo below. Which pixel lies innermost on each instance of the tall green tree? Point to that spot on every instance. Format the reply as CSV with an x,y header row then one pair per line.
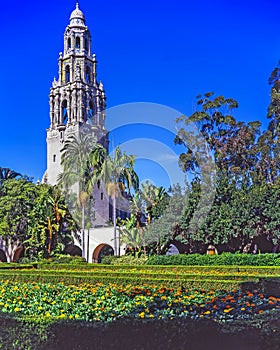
x,y
232,143
77,171
117,173
35,217
51,226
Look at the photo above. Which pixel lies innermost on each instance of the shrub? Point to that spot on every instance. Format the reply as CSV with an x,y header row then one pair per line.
x,y
64,259
237,259
124,260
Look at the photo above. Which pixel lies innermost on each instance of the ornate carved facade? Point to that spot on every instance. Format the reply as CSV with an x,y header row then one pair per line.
x,y
77,100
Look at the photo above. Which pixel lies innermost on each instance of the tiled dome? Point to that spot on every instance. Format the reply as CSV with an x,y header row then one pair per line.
x,y
77,13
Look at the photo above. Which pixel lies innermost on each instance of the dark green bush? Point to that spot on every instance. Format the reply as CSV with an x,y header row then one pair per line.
x,y
236,259
63,259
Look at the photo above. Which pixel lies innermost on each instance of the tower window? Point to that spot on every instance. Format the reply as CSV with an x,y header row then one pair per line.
x,y
91,113
88,75
102,196
64,112
69,43
67,74
86,44
78,42
54,158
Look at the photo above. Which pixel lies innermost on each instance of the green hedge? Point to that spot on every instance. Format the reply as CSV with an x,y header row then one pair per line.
x,y
206,284
16,266
237,259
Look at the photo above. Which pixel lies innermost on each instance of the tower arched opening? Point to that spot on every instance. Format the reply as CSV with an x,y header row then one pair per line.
x,y
86,44
78,42
88,75
67,74
64,112
91,113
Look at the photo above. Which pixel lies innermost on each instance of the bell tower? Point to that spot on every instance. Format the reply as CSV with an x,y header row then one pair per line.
x,y
76,98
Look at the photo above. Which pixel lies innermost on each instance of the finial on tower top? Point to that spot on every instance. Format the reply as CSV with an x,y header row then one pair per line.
x,y
77,14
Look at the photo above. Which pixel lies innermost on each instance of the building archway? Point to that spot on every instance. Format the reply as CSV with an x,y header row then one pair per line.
x,y
100,251
3,257
18,254
73,250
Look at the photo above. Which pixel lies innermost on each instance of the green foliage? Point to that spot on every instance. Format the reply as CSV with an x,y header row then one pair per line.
x,y
166,227
247,169
124,260
35,216
216,260
22,335
62,259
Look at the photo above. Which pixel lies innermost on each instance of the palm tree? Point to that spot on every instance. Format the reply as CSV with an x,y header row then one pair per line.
x,y
152,196
137,209
117,174
133,239
7,174
77,170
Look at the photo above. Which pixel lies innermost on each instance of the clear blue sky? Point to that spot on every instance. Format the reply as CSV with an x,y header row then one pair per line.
x,y
156,51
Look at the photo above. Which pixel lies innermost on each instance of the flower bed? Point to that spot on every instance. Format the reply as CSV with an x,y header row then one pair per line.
x,y
112,311
99,302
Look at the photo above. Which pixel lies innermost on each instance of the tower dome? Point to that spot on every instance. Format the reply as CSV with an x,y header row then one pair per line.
x,y
77,16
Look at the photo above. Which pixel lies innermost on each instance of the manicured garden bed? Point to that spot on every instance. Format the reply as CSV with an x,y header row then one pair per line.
x,y
109,315
55,306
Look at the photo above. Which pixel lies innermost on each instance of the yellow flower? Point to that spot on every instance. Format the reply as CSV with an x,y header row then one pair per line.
x,y
47,314
141,315
40,307
16,309
207,312
228,310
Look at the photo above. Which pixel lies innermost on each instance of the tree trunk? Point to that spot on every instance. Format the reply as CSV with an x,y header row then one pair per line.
x,y
88,246
83,231
115,223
